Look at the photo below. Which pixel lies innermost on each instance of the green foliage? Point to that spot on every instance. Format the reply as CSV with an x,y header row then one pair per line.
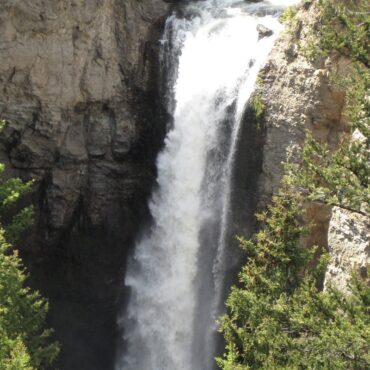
x,y
260,78
258,108
337,178
341,177
24,343
277,317
357,86
20,222
22,316
10,192
344,26
14,355
288,15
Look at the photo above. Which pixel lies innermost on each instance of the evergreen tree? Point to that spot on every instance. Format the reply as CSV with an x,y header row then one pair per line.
x,y
278,316
24,343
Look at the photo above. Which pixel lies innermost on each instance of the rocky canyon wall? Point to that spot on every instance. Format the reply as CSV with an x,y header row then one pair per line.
x,y
78,89
299,96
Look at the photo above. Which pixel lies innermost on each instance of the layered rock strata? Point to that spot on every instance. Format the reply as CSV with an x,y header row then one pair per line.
x,y
78,82
79,90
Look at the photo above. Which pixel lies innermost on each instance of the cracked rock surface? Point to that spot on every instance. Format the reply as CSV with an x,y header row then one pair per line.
x,y
299,96
349,247
78,82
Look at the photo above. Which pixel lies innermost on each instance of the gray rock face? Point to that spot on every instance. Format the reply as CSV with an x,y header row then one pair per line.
x,y
78,82
263,31
349,247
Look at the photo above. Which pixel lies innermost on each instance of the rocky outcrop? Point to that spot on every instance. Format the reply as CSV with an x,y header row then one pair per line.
x,y
79,90
299,96
349,247
78,82
263,31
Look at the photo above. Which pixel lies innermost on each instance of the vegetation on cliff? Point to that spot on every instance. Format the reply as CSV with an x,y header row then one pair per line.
x,y
24,343
343,27
342,177
278,316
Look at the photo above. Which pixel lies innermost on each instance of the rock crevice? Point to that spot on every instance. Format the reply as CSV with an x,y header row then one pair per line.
x,y
79,91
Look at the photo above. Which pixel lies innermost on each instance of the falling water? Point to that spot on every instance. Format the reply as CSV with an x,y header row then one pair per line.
x,y
175,276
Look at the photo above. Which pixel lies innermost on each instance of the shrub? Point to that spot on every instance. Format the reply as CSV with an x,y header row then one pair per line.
x,y
24,343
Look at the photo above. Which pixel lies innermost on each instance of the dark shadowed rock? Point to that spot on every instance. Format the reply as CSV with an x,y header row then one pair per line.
x,y
263,31
78,84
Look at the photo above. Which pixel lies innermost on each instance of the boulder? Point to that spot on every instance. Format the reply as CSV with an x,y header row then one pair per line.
x,y
263,31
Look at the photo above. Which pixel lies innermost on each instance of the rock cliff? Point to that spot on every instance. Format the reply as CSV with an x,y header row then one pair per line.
x,y
78,82
79,90
299,96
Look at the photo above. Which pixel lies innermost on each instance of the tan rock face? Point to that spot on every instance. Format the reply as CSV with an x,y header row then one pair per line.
x,y
299,96
349,247
318,216
78,88
78,82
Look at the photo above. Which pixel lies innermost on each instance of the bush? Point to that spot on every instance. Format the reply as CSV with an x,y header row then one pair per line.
x,y
23,340
24,343
343,27
277,317
288,15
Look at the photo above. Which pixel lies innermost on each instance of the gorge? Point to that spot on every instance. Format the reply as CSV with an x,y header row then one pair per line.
x,y
176,275
154,130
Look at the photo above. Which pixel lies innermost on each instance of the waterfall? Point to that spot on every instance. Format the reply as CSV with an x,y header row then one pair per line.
x,y
175,276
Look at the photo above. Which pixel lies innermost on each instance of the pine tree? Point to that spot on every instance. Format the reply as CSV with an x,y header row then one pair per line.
x,y
24,343
278,316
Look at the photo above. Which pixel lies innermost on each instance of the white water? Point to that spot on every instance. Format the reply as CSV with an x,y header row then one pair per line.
x,y
220,56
